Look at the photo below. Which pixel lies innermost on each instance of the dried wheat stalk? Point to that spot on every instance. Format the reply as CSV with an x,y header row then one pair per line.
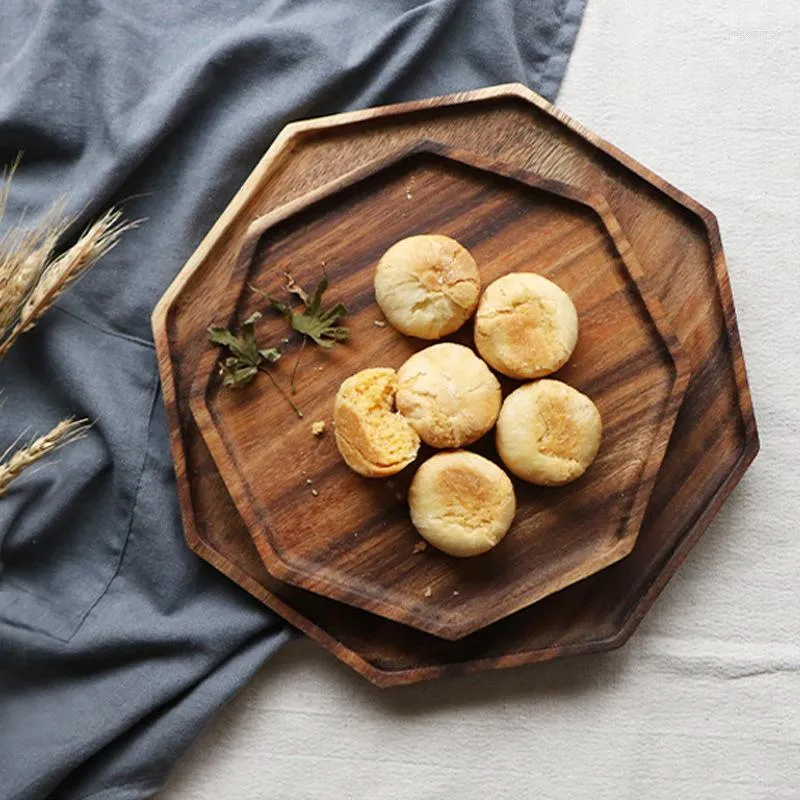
x,y
12,466
57,274
5,184
30,281
24,253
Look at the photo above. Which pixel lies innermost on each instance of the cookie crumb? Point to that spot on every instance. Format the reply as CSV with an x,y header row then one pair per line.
x,y
379,323
318,428
428,592
314,493
420,547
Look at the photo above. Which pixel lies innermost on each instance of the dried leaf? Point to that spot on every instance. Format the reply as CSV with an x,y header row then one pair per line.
x,y
245,357
321,327
294,288
314,322
270,354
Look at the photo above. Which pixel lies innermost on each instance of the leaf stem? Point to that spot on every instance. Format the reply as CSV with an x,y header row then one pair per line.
x,y
293,385
289,400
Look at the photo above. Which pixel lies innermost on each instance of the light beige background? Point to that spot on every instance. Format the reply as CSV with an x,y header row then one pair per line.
x,y
704,701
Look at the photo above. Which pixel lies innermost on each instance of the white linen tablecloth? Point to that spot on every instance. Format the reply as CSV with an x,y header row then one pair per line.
x,y
704,701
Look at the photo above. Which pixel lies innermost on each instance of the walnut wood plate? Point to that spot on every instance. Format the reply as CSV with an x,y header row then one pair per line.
x,y
352,540
678,246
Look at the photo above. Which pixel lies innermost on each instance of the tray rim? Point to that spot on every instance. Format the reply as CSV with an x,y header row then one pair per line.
x,y
238,486
660,575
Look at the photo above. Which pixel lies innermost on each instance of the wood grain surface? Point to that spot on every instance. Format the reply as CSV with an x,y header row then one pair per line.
x,y
677,244
352,539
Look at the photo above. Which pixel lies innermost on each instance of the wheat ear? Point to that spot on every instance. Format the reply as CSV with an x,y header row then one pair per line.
x,y
5,183
68,430
96,241
25,253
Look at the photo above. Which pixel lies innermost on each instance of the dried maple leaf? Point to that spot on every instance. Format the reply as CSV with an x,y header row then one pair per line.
x,y
245,358
315,322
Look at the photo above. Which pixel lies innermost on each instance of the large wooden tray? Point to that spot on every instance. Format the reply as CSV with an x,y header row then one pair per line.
x,y
676,241
352,540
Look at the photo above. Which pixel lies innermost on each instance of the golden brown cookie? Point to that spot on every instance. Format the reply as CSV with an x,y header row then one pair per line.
x,y
448,394
373,439
427,286
461,503
548,433
526,326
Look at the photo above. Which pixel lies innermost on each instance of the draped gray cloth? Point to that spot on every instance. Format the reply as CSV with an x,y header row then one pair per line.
x,y
116,642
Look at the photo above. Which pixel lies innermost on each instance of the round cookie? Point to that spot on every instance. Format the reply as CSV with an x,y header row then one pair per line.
x,y
373,439
461,503
526,326
427,286
448,394
548,433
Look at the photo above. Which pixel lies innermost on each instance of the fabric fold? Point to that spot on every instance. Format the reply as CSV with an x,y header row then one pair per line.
x,y
116,642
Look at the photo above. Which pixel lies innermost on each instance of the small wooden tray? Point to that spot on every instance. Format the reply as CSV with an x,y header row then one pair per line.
x,y
677,242
353,540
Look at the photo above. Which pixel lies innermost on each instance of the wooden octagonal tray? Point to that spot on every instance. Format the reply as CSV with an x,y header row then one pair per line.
x,y
352,540
677,243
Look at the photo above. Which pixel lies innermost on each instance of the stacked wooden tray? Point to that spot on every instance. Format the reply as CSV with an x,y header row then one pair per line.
x,y
505,173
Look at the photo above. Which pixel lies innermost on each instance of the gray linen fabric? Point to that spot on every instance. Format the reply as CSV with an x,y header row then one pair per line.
x,y
116,642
